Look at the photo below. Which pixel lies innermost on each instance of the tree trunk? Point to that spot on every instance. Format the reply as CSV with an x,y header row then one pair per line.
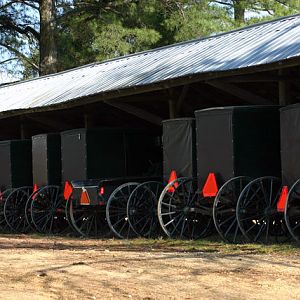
x,y
239,11
48,51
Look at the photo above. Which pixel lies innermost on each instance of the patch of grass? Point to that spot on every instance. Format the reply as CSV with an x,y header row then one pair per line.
x,y
208,245
211,245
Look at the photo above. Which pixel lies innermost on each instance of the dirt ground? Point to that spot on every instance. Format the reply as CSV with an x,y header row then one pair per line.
x,y
34,267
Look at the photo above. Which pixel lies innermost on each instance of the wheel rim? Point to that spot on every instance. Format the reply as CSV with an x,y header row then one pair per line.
x,y
48,211
224,209
180,211
3,224
257,213
292,211
28,210
88,221
116,211
67,214
142,209
14,210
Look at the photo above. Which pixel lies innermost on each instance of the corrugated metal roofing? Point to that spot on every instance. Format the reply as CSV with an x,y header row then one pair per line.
x,y
255,45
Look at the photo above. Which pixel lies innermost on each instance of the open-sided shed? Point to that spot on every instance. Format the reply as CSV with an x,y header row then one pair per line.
x,y
258,64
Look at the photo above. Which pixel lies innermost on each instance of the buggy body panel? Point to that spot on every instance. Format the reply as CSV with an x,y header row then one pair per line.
x,y
46,159
103,153
179,151
16,164
290,143
238,141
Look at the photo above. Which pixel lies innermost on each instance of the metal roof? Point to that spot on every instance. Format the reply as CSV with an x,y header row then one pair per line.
x,y
255,45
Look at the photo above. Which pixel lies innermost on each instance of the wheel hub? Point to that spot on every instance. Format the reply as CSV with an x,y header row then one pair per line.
x,y
188,209
269,211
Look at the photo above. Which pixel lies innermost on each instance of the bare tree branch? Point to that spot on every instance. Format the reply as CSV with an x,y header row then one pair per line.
x,y
20,55
8,24
8,60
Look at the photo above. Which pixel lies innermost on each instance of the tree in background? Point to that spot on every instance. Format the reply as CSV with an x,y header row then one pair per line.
x,y
27,32
132,26
47,41
267,9
19,35
44,36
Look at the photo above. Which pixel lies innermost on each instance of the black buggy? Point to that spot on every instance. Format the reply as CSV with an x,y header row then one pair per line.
x,y
44,208
234,144
277,210
100,169
16,184
179,157
268,205
290,159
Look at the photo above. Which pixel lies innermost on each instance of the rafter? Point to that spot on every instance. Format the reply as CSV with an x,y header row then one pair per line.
x,y
239,92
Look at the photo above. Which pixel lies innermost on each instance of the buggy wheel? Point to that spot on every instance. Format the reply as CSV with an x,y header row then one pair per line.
x,y
14,210
48,211
87,221
116,211
28,210
67,214
3,224
257,213
292,211
142,209
224,209
182,212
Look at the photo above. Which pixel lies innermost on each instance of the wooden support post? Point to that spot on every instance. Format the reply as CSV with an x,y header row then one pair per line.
x,y
283,89
172,109
181,98
23,131
86,120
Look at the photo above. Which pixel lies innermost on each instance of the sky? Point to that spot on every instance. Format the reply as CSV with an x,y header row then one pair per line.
x,y
5,78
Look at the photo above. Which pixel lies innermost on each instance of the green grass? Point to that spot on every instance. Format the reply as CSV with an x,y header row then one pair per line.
x,y
212,245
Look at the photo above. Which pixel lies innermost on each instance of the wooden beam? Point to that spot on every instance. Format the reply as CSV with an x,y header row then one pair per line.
x,y
239,92
181,98
252,78
260,77
138,112
217,100
49,122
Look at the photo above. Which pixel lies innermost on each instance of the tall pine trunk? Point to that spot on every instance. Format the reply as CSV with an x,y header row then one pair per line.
x,y
48,51
239,11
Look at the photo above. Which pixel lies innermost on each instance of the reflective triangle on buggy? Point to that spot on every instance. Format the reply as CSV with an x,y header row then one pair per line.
x,y
282,199
210,188
173,176
85,198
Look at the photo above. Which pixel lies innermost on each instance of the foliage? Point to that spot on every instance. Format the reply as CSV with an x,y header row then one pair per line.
x,y
18,35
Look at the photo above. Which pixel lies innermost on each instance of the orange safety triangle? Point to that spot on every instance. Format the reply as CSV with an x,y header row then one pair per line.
x,y
85,199
173,176
282,199
35,188
67,190
210,188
